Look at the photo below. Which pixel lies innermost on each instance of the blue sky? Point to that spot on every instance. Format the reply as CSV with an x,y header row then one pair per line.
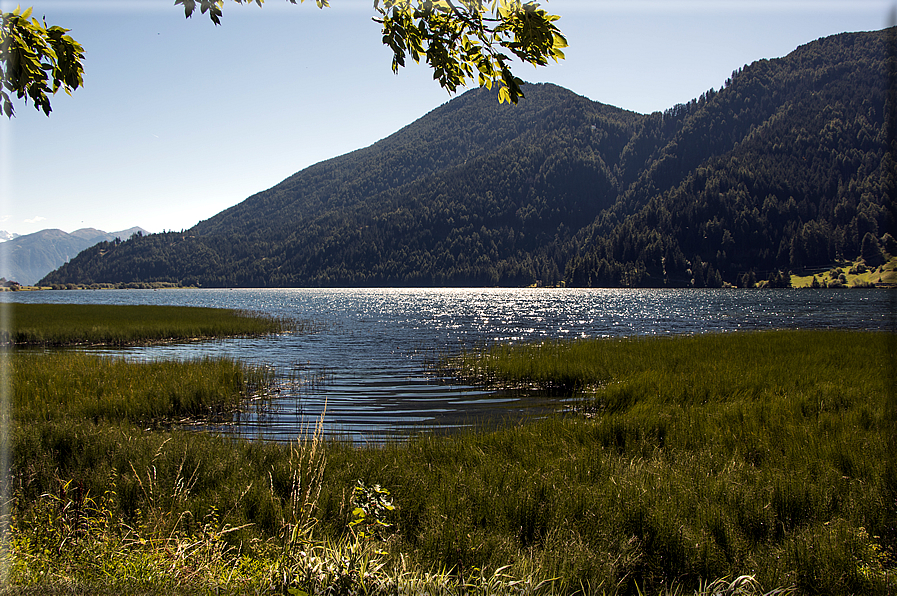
x,y
179,119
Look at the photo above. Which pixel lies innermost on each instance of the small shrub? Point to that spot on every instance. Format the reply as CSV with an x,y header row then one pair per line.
x,y
371,504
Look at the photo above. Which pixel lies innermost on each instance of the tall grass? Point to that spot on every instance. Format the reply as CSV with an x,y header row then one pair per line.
x,y
716,367
766,454
93,324
171,519
75,385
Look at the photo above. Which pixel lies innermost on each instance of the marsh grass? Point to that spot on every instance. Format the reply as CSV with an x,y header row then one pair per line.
x,y
699,457
173,522
76,385
765,454
98,324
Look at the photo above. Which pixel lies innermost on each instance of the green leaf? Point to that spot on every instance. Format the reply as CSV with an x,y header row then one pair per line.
x,y
504,95
47,60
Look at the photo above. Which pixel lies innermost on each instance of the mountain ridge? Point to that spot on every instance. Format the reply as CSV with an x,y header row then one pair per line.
x,y
561,188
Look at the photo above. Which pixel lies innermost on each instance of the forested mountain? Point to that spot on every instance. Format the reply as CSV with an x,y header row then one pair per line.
x,y
29,257
784,167
787,167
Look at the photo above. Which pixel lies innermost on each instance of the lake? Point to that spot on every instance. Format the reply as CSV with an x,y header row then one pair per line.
x,y
371,356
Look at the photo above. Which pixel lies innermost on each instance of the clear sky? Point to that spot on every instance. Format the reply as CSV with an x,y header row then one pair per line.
x,y
179,119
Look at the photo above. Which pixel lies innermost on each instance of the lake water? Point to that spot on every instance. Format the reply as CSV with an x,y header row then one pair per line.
x,y
372,353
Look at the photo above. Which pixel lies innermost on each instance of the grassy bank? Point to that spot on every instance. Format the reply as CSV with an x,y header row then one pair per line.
x,y
764,451
58,386
94,324
850,274
691,459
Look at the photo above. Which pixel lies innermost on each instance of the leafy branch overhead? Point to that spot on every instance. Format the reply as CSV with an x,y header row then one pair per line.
x,y
464,41
460,40
36,61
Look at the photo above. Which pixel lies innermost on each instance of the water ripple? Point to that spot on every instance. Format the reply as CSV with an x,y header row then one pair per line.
x,y
370,361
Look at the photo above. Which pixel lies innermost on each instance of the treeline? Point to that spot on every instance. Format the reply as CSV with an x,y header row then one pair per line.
x,y
786,167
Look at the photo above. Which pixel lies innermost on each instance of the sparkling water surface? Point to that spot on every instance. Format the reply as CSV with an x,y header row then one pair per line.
x,y
371,354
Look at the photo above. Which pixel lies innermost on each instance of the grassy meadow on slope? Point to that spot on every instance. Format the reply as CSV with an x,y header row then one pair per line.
x,y
850,274
692,458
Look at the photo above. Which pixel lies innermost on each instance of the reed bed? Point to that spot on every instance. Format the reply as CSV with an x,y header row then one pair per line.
x,y
763,458
686,370
689,458
118,325
188,497
55,386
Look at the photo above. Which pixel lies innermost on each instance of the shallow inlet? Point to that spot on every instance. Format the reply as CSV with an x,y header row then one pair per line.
x,y
371,355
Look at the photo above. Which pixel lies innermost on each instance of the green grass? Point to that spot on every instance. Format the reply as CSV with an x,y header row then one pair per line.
x,y
856,274
692,458
95,324
700,457
59,386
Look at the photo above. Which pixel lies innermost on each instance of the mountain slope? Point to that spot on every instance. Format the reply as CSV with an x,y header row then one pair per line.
x,y
794,173
470,188
786,166
30,257
461,131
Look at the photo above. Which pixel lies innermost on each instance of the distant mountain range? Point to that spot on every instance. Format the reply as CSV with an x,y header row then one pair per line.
x,y
30,257
790,165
